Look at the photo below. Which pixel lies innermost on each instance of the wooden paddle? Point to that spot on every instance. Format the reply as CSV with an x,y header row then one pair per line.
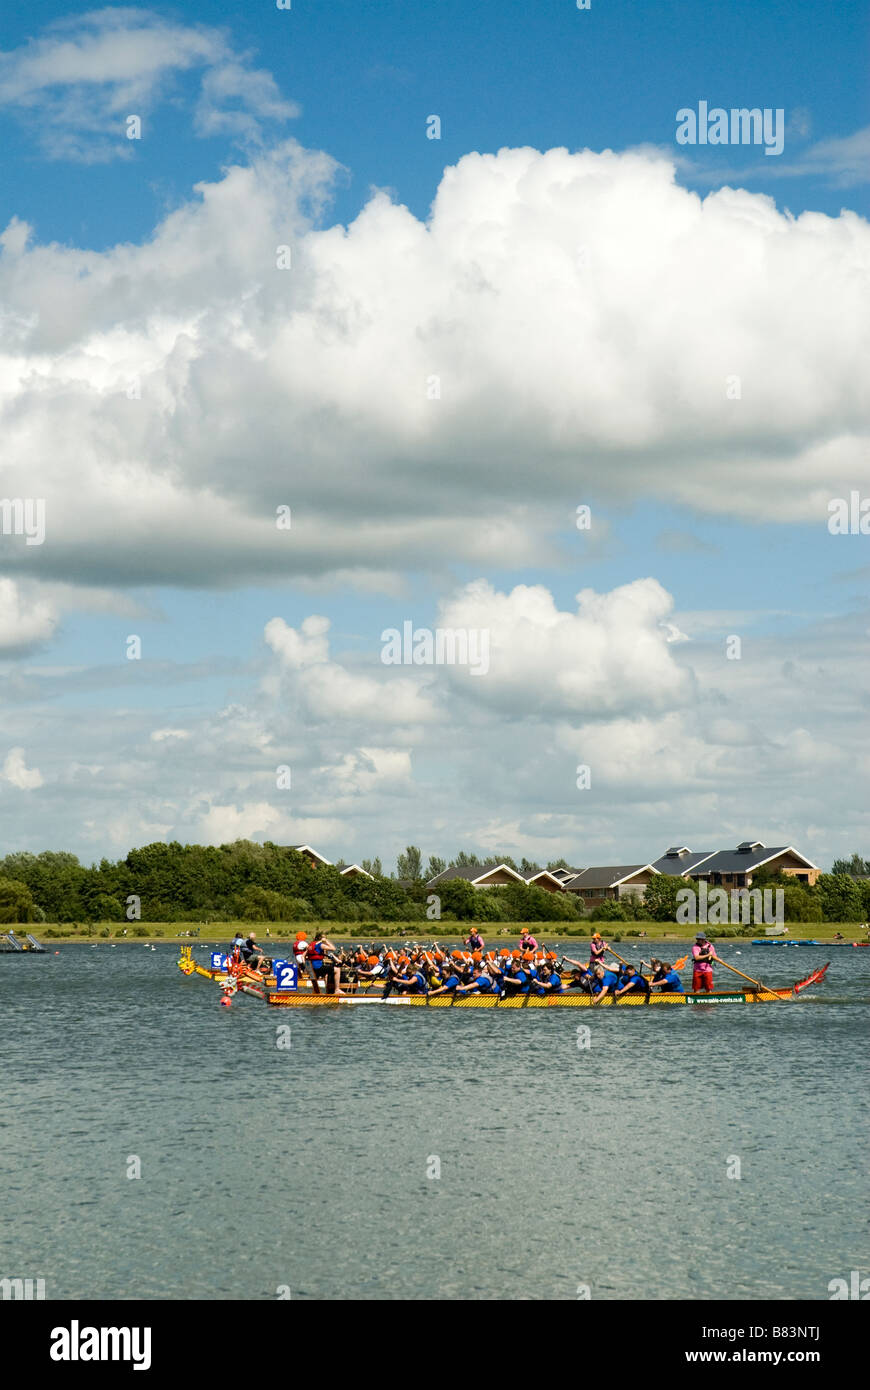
x,y
765,989
678,964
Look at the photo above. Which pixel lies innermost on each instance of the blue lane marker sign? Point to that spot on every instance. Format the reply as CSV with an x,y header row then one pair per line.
x,y
286,975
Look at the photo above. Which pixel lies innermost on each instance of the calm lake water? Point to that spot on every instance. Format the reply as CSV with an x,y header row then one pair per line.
x,y
307,1167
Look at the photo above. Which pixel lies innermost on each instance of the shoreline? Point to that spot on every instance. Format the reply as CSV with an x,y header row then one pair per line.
x,y
218,932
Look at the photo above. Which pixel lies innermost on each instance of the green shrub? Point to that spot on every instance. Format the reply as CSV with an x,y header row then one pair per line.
x,y
16,902
609,911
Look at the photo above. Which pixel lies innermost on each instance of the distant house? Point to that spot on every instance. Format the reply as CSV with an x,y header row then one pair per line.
x,y
564,874
544,878
734,868
314,859
479,876
680,861
610,882
353,871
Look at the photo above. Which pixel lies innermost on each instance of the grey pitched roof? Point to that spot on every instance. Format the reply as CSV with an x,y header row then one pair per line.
x,y
743,861
469,872
680,860
604,875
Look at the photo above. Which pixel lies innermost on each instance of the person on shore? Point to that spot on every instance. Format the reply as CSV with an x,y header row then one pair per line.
x,y
703,956
666,978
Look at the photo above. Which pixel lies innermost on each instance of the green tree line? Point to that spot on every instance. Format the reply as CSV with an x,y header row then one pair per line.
x,y
262,883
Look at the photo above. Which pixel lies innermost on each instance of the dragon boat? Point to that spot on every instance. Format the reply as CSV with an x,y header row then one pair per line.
x,y
303,996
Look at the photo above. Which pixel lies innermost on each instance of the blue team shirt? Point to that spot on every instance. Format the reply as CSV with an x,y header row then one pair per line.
x,y
608,979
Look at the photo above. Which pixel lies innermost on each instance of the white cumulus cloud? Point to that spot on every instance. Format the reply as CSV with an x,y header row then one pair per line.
x,y
23,623
18,774
544,335
612,654
85,74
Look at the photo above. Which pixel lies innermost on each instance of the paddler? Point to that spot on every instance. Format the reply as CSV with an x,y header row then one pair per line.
x,y
703,956
452,980
549,981
317,963
603,983
666,978
412,980
581,975
630,981
516,979
598,948
479,983
300,950
252,955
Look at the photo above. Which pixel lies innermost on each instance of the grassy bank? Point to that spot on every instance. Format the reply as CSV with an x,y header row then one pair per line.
x,y
149,933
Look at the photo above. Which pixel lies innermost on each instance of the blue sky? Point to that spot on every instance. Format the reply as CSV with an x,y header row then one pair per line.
x,y
747,551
